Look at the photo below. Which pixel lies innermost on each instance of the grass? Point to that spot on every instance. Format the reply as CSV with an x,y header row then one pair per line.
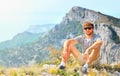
x,y
72,69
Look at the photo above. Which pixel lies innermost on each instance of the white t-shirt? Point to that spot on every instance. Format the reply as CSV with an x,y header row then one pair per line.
x,y
85,43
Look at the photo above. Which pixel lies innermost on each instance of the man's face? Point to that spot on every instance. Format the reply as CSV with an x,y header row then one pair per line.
x,y
88,30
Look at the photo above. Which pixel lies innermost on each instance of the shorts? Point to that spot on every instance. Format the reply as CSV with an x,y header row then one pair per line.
x,y
81,61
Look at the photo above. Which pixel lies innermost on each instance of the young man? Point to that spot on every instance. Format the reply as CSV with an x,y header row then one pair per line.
x,y
90,43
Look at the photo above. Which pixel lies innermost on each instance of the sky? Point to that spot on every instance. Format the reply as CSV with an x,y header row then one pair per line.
x,y
17,15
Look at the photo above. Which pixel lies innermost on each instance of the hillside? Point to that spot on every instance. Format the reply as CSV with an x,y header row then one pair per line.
x,y
19,40
13,52
70,26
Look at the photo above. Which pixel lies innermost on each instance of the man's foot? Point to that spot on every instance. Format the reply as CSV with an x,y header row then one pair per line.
x,y
84,70
61,67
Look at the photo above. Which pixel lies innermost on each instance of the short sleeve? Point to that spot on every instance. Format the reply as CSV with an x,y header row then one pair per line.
x,y
98,37
79,39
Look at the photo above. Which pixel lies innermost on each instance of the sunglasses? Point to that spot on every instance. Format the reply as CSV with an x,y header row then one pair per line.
x,y
89,28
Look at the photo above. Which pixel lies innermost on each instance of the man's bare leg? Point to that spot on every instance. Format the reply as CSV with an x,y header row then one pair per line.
x,y
94,55
71,49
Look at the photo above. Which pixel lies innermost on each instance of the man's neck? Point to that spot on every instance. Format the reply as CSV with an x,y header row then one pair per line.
x,y
89,36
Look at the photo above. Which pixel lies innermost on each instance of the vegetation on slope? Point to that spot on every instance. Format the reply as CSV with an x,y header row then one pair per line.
x,y
50,68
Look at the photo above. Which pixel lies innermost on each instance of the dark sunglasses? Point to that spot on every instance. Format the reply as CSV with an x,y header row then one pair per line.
x,y
89,28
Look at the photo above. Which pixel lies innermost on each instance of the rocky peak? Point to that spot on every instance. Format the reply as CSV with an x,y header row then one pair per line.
x,y
82,14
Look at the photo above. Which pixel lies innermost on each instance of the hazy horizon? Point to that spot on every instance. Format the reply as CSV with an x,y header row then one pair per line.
x,y
17,15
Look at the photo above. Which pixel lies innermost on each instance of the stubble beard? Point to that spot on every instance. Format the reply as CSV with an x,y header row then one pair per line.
x,y
89,34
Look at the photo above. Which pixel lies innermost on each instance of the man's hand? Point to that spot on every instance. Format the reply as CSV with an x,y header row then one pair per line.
x,y
87,51
85,56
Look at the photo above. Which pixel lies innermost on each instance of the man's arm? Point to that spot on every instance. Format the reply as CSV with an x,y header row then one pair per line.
x,y
69,42
95,45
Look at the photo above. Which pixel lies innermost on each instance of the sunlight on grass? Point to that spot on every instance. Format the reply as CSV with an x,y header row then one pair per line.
x,y
72,69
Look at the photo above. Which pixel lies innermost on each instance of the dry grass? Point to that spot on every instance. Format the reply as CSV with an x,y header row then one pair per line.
x,y
52,70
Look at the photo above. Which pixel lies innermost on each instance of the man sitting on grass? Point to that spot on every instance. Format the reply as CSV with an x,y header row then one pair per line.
x,y
90,43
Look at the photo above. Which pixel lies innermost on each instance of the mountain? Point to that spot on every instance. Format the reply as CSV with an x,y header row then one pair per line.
x,y
10,48
70,26
19,40
32,34
40,28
